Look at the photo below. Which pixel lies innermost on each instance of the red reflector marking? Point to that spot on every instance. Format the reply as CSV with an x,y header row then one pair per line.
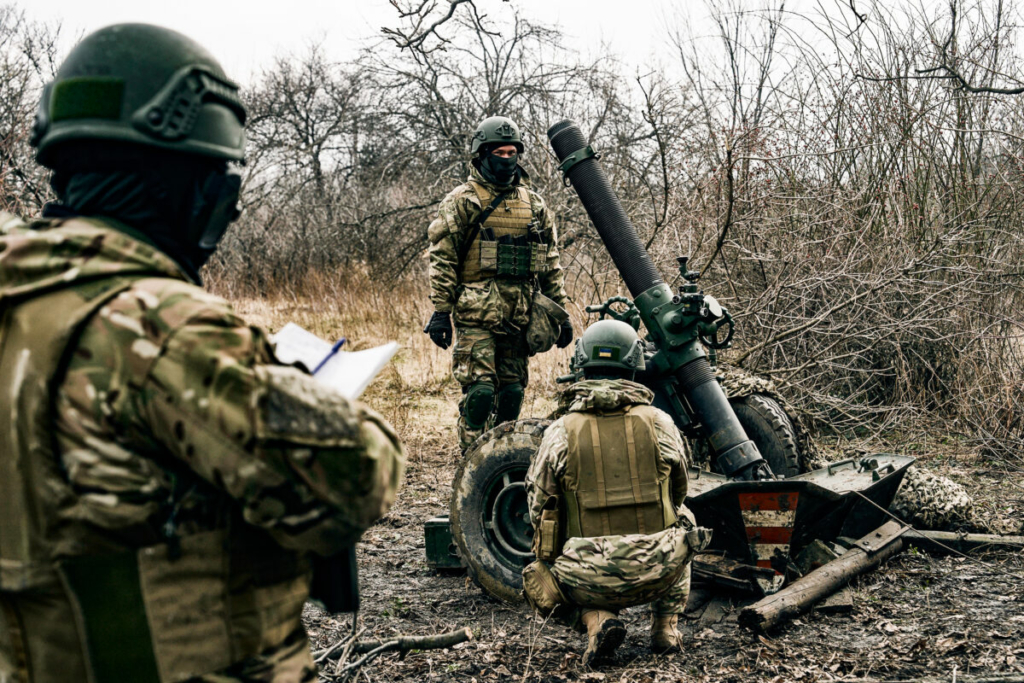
x,y
769,501
770,534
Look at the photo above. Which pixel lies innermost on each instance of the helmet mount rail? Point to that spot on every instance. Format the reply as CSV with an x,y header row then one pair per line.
x,y
141,85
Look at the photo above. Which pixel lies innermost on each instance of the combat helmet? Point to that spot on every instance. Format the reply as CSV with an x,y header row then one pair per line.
x,y
609,344
145,85
499,130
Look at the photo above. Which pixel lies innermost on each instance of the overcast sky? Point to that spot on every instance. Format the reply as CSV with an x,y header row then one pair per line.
x,y
247,35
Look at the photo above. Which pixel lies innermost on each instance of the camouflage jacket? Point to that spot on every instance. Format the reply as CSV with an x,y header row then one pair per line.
x,y
447,235
548,466
170,419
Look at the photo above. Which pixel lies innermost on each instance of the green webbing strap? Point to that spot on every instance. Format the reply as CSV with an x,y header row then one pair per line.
x,y
474,228
634,470
575,158
667,509
572,515
107,597
602,492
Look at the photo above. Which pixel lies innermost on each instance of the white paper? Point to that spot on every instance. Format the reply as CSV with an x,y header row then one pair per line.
x,y
347,372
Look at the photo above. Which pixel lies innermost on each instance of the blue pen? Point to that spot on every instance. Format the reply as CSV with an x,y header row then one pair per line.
x,y
334,351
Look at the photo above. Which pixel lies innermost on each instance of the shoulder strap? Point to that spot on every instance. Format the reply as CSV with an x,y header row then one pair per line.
x,y
474,227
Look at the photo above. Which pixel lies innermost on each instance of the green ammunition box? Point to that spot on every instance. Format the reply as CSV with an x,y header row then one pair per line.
x,y
442,553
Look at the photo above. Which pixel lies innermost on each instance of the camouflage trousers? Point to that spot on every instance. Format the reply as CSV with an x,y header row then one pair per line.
x,y
615,572
481,354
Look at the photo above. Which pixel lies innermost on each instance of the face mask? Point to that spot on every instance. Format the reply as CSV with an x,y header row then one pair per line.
x,y
215,207
499,170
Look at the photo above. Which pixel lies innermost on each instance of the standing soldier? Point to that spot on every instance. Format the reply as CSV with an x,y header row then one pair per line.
x,y
606,492
163,478
493,248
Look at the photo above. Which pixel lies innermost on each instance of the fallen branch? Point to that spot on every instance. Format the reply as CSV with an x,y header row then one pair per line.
x,y
434,641
403,644
869,552
949,542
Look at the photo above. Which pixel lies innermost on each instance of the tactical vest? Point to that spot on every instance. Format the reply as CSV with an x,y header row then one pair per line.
x,y
614,481
509,243
155,614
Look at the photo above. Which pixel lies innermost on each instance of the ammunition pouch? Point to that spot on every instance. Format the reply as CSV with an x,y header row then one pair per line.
x,y
541,588
546,318
547,541
514,258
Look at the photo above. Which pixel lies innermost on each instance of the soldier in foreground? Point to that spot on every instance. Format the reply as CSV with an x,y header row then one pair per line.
x,y
493,256
163,478
606,492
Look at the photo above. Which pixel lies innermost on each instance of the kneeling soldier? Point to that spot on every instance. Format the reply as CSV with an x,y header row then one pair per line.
x,y
606,494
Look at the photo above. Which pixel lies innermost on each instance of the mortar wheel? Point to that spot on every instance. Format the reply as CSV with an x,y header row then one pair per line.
x,y
768,426
489,516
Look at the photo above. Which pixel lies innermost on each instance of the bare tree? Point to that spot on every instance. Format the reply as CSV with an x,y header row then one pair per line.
x,y
28,58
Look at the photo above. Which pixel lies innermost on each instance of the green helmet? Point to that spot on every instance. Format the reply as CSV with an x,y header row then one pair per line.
x,y
496,129
609,344
144,85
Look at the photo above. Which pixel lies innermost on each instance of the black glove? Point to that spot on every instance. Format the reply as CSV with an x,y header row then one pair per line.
x,y
439,327
564,335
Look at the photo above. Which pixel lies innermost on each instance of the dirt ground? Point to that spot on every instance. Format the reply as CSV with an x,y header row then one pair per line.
x,y
918,615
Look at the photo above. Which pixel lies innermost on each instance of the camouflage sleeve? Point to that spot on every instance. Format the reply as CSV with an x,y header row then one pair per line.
x,y
546,469
672,451
169,372
552,281
446,233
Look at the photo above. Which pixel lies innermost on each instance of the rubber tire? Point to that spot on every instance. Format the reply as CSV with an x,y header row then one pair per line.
x,y
506,447
768,426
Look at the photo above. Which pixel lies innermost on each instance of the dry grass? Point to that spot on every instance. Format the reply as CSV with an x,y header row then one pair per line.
x,y
416,392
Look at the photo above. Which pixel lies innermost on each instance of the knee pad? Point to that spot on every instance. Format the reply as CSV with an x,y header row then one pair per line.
x,y
478,404
508,402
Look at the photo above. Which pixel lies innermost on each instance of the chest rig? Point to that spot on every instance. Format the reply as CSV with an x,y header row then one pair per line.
x,y
614,481
509,243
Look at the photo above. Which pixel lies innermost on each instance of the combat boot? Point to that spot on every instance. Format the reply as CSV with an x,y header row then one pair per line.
x,y
605,632
664,636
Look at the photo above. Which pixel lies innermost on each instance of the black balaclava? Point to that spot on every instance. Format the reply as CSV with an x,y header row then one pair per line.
x,y
498,170
181,204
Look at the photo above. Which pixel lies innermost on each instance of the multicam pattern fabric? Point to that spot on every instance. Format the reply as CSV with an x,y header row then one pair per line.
x,y
173,416
491,303
480,354
167,368
617,571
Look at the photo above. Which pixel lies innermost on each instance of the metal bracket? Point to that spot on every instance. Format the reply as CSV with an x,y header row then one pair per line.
x,y
575,158
880,537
